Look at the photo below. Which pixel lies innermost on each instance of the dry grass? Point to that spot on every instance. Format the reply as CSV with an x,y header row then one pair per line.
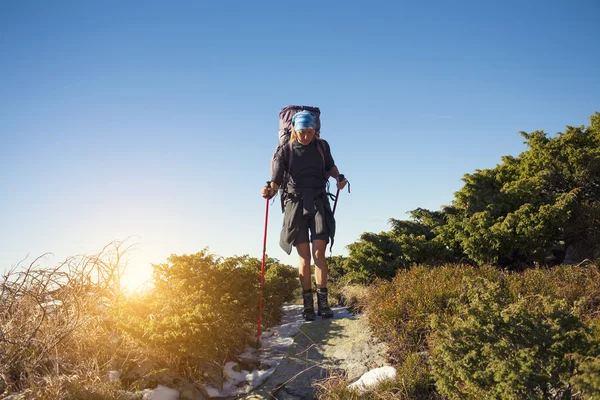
x,y
411,382
57,339
74,387
354,297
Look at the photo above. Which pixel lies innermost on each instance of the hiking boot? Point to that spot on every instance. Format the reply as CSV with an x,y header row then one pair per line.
x,y
308,313
323,304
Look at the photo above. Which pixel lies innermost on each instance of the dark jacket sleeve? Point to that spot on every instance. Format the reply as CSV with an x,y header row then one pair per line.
x,y
278,166
329,163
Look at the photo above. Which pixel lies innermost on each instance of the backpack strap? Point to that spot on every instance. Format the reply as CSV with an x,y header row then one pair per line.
x,y
321,148
288,154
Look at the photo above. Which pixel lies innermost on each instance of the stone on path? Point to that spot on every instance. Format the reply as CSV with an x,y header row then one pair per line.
x,y
373,377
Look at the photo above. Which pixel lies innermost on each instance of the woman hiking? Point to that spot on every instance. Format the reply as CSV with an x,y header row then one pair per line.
x,y
308,218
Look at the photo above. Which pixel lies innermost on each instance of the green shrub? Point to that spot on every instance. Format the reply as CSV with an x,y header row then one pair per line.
x,y
281,281
203,309
337,268
383,255
577,285
494,348
399,310
374,256
414,379
587,380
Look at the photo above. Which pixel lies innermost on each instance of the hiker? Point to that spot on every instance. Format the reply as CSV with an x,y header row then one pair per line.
x,y
307,213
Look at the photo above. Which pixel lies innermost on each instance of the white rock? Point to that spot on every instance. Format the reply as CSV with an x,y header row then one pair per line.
x,y
212,392
373,377
162,393
114,376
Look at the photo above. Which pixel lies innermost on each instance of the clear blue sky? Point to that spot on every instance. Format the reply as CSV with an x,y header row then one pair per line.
x,y
157,120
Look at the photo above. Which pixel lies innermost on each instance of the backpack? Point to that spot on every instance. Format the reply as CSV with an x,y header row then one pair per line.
x,y
285,130
285,121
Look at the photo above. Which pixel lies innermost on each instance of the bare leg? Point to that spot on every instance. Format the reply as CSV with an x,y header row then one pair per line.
x,y
304,266
319,247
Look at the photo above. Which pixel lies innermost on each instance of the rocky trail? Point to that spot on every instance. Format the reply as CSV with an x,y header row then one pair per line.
x,y
296,355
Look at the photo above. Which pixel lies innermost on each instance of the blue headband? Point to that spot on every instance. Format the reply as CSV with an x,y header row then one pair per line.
x,y
304,120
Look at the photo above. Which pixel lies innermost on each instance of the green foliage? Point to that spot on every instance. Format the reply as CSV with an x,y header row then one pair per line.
x,y
542,206
414,379
491,333
337,268
280,284
202,309
587,381
578,286
337,278
374,256
527,208
408,242
399,310
494,348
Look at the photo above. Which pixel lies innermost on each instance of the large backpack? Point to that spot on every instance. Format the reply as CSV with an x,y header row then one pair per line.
x,y
285,130
285,121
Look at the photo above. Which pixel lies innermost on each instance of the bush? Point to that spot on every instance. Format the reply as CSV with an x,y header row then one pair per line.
x,y
383,255
197,311
374,256
533,207
494,348
575,284
281,282
203,310
587,380
399,310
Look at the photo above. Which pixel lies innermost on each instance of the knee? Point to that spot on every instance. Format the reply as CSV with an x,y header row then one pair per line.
x,y
319,255
304,259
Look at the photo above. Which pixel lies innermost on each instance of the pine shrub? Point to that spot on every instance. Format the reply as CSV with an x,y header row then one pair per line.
x,y
202,309
399,311
496,348
578,285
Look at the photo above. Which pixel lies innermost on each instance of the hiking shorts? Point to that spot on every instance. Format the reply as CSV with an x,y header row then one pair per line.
x,y
308,226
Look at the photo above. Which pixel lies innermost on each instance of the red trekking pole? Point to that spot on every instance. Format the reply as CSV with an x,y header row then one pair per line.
x,y
262,269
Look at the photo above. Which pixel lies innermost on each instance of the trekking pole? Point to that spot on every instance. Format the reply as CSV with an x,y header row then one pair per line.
x,y
262,269
337,195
